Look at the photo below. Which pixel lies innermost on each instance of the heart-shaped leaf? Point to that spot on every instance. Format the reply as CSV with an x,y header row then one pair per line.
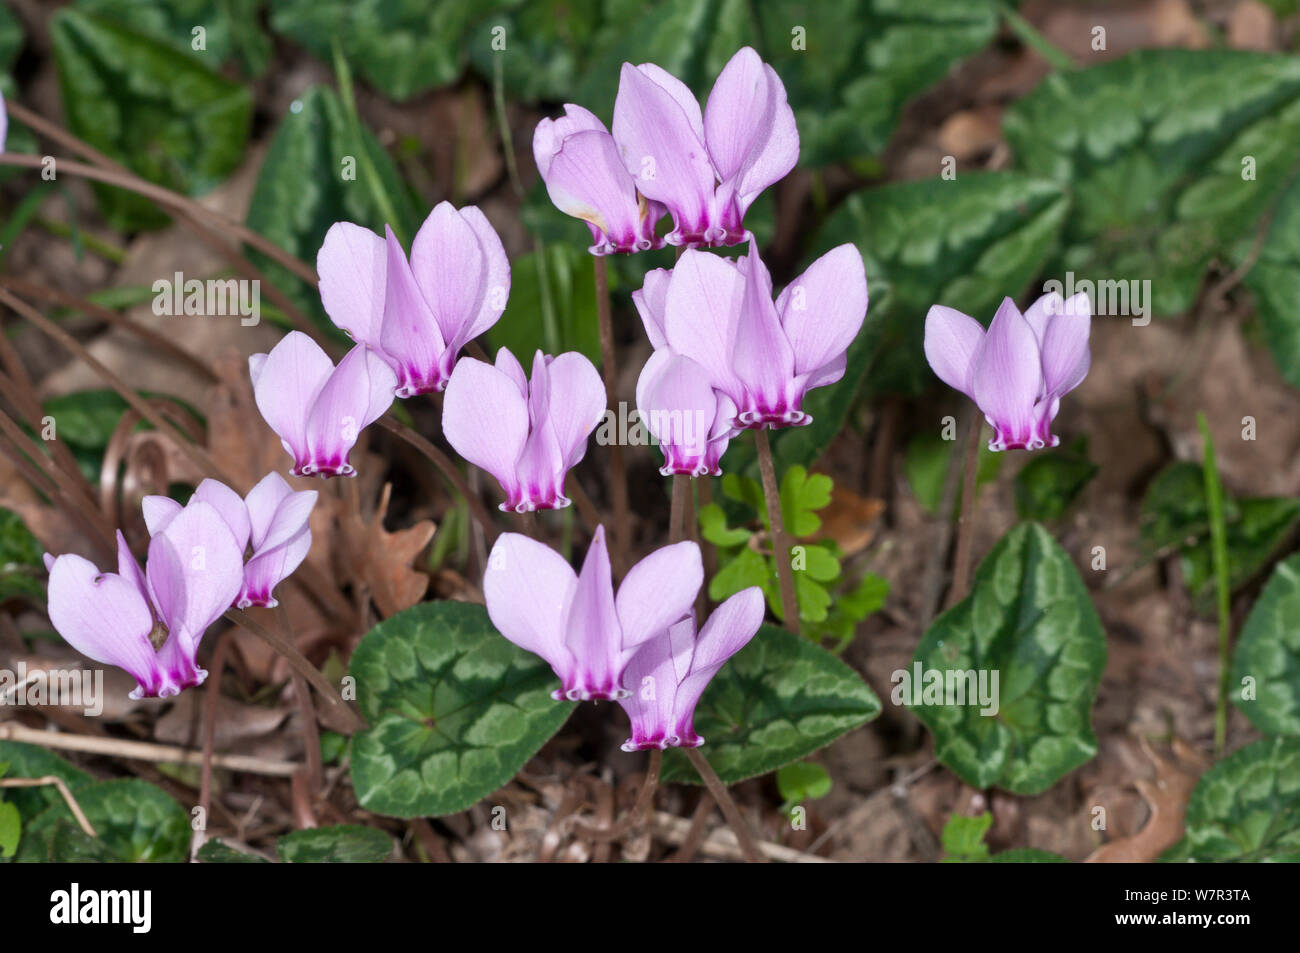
x,y
1268,654
1173,154
455,710
158,111
1275,280
345,844
134,821
1028,622
1246,807
776,701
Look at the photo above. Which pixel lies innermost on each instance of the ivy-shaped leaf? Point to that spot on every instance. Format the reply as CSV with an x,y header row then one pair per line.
x,y
1173,156
1275,280
344,844
155,110
216,852
1246,807
455,710
135,822
1052,480
230,27
1268,654
776,701
1029,621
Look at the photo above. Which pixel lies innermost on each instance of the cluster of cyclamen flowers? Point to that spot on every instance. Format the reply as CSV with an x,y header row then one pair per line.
x,y
727,358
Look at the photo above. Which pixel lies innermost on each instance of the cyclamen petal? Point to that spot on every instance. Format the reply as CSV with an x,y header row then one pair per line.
x,y
1020,369
585,177
191,577
708,168
679,407
527,434
318,410
576,622
417,313
670,672
765,357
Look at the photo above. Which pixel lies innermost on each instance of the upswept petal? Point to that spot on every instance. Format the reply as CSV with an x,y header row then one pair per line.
x,y
496,276
662,147
762,358
270,567
679,407
1065,352
549,136
230,507
528,588
702,312
195,571
651,301
286,382
485,418
728,630
952,345
1008,376
749,127
449,268
410,334
352,265
659,591
104,617
509,365
588,180
263,501
356,393
823,309
158,512
592,631
577,404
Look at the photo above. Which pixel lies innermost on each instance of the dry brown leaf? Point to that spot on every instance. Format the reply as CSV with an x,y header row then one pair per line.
x,y
381,561
1166,795
850,520
1252,26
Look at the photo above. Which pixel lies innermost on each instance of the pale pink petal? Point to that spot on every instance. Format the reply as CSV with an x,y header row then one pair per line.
x,y
678,406
411,335
356,393
763,358
577,404
286,383
1065,352
351,266
496,276
195,571
651,301
263,500
587,179
550,134
528,588
230,505
822,310
158,512
269,568
485,419
728,630
659,591
1008,377
592,631
450,270
702,312
509,365
952,343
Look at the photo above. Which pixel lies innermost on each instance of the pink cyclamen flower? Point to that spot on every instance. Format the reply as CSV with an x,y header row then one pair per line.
x,y
150,623
272,517
526,434
585,177
689,419
576,622
1020,369
763,357
669,673
316,409
416,314
706,168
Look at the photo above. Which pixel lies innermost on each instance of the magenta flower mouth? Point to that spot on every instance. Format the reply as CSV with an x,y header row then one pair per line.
x,y
324,470
758,419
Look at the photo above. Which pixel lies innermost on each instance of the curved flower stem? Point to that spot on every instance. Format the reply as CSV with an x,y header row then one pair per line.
x,y
299,663
780,542
644,798
609,370
735,819
965,522
448,469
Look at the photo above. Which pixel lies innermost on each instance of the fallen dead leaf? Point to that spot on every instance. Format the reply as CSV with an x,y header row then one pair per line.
x,y
850,520
381,561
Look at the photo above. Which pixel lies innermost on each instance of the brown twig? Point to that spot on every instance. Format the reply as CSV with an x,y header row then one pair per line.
x,y
780,541
307,712
59,783
644,799
735,820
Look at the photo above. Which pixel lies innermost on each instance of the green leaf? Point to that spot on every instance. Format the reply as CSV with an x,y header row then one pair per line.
x,y
11,829
157,111
867,597
572,293
69,844
215,852
345,844
813,599
1028,855
1174,154
776,701
33,761
1174,512
802,781
1268,653
713,527
400,46
135,821
1275,282
1253,540
1052,480
802,494
230,27
1028,619
546,45
926,463
748,568
821,564
963,838
302,189
455,710
22,572
1246,807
